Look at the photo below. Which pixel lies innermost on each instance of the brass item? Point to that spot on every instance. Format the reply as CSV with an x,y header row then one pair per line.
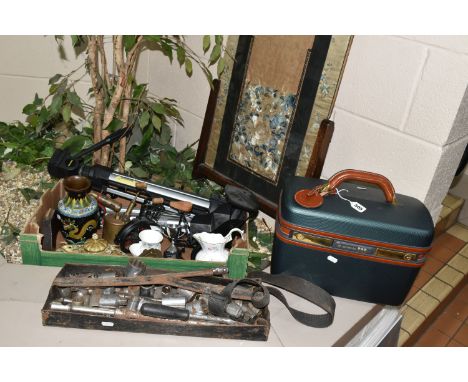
x,y
95,244
399,255
113,223
152,252
380,252
316,240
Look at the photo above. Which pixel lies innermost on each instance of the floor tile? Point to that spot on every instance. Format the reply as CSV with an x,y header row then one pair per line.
x,y
447,324
403,337
437,288
433,337
463,295
411,320
423,303
460,231
432,265
458,309
450,276
414,289
453,343
453,216
452,242
422,278
442,253
462,335
445,212
452,201
464,251
460,263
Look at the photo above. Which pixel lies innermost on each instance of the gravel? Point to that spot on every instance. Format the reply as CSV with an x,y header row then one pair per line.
x,y
12,179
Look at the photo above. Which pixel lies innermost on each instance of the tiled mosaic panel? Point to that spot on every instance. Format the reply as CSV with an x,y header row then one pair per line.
x,y
260,129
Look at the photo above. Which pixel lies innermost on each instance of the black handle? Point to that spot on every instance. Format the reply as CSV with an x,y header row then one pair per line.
x,y
162,311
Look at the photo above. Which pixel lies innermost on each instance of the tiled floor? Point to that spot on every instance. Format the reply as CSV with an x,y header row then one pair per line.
x,y
451,327
446,267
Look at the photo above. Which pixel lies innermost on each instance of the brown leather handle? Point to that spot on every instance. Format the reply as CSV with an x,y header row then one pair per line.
x,y
363,176
181,206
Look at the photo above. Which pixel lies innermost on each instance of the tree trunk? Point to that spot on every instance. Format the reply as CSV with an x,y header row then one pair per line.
x,y
93,61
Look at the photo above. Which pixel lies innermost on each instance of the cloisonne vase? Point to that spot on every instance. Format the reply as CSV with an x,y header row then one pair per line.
x,y
78,212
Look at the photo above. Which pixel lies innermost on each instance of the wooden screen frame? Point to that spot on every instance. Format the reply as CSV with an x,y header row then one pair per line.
x,y
314,168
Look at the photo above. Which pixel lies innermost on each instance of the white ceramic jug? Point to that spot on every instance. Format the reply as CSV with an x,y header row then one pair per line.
x,y
212,245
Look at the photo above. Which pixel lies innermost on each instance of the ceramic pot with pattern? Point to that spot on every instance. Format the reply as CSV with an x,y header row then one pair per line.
x,y
78,212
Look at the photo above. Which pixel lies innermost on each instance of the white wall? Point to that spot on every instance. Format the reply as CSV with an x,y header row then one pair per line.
x,y
29,61
396,112
26,65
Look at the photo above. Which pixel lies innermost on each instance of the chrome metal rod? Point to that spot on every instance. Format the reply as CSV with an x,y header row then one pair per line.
x,y
171,193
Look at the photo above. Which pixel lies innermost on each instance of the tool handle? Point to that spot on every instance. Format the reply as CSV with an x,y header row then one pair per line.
x,y
181,206
114,206
363,176
162,311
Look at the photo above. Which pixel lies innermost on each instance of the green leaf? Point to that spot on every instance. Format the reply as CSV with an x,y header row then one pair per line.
x,y
215,54
167,50
29,109
74,99
180,55
138,90
154,159
76,40
153,38
43,115
146,139
29,194
115,125
33,119
139,172
53,88
54,79
66,112
156,121
188,67
37,101
144,119
166,134
43,185
56,104
206,43
158,108
220,68
129,42
74,144
218,39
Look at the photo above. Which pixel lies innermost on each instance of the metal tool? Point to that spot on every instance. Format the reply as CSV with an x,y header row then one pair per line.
x,y
161,311
112,312
134,266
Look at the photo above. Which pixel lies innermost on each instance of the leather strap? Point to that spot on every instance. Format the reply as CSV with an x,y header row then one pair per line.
x,y
304,289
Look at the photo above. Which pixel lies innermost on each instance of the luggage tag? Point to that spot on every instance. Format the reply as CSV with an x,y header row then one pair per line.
x,y
311,198
357,206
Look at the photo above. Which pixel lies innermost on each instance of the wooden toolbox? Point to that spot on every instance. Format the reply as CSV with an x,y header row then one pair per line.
x,y
31,242
257,328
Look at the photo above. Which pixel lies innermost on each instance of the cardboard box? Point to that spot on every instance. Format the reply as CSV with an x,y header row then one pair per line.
x,y
31,242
